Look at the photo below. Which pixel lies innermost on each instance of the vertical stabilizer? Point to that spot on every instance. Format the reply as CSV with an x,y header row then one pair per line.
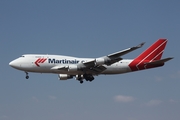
x,y
153,53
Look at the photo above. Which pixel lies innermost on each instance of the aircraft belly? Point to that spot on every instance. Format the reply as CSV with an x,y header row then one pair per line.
x,y
117,69
66,72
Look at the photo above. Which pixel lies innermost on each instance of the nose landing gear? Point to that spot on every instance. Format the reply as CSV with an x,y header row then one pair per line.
x,y
27,77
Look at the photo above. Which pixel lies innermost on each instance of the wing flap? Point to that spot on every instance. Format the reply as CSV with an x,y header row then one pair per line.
x,y
96,70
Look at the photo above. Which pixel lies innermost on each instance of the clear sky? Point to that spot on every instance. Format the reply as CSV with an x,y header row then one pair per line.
x,y
91,28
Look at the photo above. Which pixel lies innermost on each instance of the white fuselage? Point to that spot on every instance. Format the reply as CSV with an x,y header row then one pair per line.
x,y
48,63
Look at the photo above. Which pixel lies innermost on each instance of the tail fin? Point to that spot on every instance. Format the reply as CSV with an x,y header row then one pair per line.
x,y
154,52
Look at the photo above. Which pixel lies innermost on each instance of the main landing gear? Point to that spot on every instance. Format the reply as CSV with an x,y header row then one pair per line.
x,y
27,77
87,77
79,78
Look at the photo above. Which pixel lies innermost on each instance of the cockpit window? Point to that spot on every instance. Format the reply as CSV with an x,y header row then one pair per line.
x,y
22,56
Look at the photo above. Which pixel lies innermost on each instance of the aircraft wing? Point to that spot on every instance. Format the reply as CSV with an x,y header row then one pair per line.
x,y
123,52
111,58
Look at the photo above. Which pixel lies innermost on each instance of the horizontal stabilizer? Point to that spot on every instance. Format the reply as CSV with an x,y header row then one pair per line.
x,y
159,61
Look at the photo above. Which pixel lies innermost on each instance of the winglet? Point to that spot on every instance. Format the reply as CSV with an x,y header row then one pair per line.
x,y
140,45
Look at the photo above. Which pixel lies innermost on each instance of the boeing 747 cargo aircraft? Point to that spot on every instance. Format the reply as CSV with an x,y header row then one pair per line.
x,y
68,67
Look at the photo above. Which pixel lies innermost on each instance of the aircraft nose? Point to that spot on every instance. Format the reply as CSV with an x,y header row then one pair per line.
x,y
13,64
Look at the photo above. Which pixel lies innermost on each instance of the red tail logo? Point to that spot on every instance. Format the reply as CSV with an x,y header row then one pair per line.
x,y
154,52
40,60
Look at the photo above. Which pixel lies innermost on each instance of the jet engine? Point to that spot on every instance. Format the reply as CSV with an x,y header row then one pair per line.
x,y
99,61
73,68
102,60
64,76
106,60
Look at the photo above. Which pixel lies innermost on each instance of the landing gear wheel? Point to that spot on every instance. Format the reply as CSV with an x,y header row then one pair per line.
x,y
27,77
81,82
88,77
